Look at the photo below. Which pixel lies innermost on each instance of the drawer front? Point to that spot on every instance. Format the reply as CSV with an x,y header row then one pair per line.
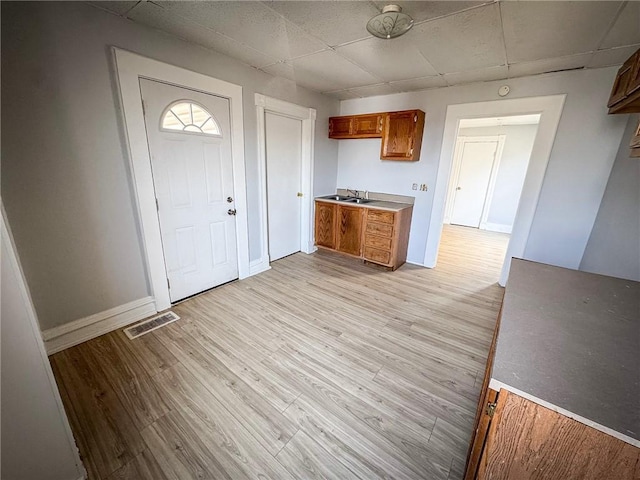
x,y
383,243
380,229
380,216
378,256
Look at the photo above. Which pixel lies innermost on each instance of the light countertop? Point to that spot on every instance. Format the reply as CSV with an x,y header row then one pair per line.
x,y
570,341
377,204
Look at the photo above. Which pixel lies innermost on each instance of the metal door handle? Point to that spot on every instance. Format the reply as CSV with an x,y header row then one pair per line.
x,y
231,211
229,199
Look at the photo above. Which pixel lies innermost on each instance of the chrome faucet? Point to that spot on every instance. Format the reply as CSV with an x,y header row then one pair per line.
x,y
355,193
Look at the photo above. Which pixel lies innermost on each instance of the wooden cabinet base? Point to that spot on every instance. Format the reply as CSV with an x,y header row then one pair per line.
x,y
377,236
527,441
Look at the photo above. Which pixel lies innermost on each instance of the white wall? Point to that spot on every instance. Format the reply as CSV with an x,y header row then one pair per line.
x,y
614,245
585,146
511,172
36,438
66,180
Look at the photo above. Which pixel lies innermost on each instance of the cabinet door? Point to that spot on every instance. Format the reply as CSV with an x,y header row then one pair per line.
x,y
634,78
402,135
621,83
340,127
527,441
367,126
325,224
349,230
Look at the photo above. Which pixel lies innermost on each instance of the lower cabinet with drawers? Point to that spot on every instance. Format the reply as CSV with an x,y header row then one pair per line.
x,y
377,235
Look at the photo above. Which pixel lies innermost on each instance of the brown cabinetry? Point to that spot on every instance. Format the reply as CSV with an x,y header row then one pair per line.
x,y
326,224
625,94
349,230
402,139
378,236
635,142
401,132
356,126
524,440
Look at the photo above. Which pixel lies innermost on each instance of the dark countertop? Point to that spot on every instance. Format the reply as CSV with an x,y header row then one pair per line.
x,y
571,339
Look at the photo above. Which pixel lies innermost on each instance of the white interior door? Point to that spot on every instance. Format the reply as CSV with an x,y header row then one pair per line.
x,y
283,157
473,182
189,142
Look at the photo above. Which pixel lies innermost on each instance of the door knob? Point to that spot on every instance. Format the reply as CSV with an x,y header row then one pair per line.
x,y
229,199
299,194
231,211
459,188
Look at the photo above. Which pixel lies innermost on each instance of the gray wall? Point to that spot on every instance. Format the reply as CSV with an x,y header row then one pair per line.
x,y
66,179
585,146
512,169
36,438
614,245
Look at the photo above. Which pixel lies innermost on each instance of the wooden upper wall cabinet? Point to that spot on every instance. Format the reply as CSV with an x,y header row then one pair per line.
x,y
401,132
625,94
402,137
356,126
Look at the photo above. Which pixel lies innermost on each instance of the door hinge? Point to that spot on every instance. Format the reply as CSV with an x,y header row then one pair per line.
x,y
157,205
415,119
491,409
168,284
144,108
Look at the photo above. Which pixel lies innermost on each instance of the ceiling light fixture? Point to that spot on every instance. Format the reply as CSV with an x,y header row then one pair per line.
x,y
390,23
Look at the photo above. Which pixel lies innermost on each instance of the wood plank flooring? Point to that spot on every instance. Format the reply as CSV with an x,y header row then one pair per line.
x,y
321,367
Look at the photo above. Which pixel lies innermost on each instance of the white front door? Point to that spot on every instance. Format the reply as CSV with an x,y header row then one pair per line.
x,y
188,133
284,160
473,182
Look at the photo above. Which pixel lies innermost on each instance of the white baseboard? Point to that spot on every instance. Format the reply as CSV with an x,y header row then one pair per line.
x,y
258,266
59,338
496,227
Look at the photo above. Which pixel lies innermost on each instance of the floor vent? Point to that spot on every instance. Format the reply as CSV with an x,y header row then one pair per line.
x,y
147,326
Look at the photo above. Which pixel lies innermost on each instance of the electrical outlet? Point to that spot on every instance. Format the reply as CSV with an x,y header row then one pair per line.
x,y
414,186
423,187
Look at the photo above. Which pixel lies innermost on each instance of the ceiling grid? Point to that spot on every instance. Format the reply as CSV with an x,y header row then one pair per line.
x,y
324,45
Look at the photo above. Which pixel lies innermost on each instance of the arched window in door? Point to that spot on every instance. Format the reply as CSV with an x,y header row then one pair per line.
x,y
186,116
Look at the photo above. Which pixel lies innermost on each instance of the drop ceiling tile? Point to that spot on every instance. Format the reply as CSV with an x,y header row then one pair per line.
x,y
626,30
537,30
118,7
420,11
334,23
250,23
374,90
481,75
382,58
611,56
465,41
280,70
419,83
549,65
342,94
156,16
329,67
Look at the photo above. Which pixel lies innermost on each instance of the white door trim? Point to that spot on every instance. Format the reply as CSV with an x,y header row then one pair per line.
x,y
455,174
308,117
130,67
550,108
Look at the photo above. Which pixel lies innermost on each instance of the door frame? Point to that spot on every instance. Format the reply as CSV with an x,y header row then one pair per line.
x,y
307,115
130,67
455,174
550,109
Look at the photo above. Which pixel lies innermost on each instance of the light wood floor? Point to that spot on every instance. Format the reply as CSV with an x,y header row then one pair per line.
x,y
321,367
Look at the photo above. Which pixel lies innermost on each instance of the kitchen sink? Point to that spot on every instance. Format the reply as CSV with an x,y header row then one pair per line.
x,y
358,200
339,198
